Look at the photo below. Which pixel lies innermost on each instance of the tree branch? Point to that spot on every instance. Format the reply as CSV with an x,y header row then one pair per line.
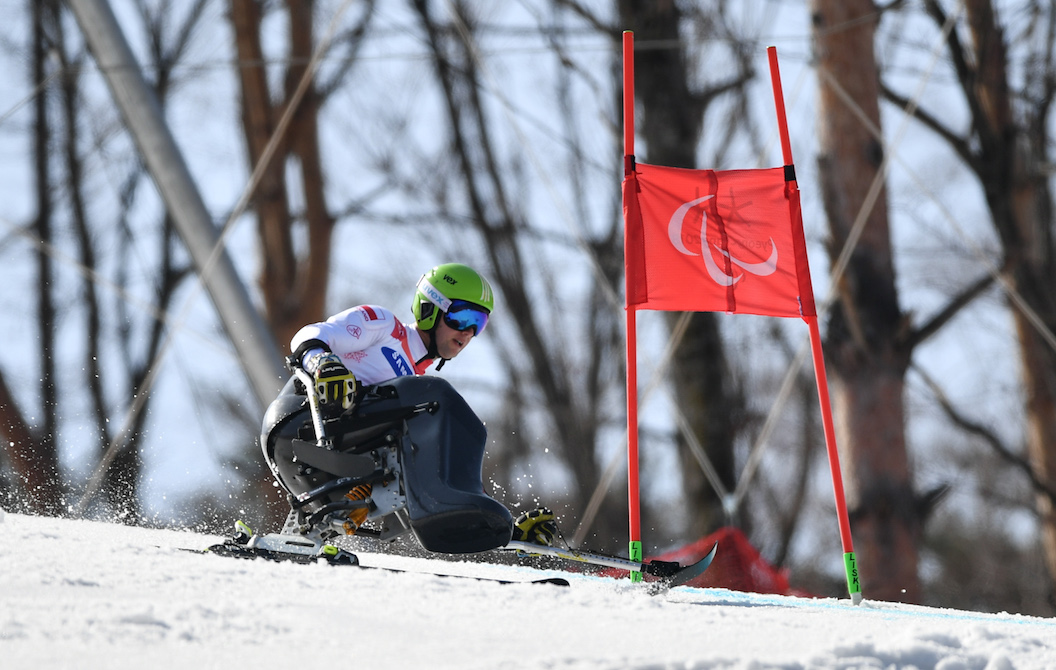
x,y
959,144
937,321
990,437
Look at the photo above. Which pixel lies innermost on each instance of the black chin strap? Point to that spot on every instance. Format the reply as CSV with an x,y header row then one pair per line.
x,y
430,350
427,357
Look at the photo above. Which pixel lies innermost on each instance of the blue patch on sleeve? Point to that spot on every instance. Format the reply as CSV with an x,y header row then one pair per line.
x,y
399,364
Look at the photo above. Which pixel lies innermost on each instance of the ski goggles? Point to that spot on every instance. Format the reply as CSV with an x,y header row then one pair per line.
x,y
463,315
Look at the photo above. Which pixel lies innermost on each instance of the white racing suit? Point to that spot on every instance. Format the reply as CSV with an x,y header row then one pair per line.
x,y
370,341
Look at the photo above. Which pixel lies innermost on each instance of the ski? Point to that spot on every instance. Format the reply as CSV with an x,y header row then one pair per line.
x,y
668,574
663,575
335,556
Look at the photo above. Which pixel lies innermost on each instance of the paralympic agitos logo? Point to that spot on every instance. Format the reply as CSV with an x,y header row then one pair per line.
x,y
676,233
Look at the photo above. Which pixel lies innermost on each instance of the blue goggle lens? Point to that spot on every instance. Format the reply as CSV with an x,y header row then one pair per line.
x,y
465,315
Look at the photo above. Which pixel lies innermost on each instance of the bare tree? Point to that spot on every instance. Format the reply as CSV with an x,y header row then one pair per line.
x,y
572,392
34,454
1007,147
870,340
293,286
866,325
63,154
281,131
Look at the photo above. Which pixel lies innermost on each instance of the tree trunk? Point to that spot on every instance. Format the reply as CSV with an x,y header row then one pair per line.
x,y
36,460
1008,161
865,327
1040,386
1022,207
294,290
306,298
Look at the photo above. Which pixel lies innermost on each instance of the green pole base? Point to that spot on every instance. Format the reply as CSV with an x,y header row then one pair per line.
x,y
636,556
854,587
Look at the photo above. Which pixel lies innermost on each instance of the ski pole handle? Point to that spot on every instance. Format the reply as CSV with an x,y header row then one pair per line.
x,y
321,437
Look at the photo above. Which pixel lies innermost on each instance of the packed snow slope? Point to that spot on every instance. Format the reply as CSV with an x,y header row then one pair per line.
x,y
81,594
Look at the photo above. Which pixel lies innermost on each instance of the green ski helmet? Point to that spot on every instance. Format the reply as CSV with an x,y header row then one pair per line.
x,y
451,287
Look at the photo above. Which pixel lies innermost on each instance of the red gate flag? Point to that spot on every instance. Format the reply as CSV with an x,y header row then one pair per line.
x,y
715,241
706,241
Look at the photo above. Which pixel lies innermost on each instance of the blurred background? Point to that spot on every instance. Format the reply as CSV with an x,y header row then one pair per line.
x,y
343,147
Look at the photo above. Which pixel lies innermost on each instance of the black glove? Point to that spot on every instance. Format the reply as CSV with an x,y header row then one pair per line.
x,y
537,527
335,385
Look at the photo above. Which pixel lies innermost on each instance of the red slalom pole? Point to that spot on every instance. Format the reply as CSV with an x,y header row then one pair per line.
x,y
633,500
849,561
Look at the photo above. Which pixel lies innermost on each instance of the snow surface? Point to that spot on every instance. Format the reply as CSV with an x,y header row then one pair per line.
x,y
83,594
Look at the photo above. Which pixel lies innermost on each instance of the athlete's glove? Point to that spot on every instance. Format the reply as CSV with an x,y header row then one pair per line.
x,y
335,385
536,526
